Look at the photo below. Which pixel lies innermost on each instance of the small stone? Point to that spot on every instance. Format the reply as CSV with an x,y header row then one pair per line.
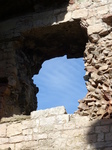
x,y
104,107
83,106
94,76
89,100
98,104
90,103
104,67
105,88
94,38
97,91
101,111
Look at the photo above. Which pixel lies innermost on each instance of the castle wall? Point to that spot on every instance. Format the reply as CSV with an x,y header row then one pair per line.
x,y
21,60
53,129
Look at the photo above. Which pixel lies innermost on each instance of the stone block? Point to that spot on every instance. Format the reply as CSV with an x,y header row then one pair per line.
x,y
96,28
102,10
48,112
60,143
27,145
82,121
39,136
54,135
3,128
27,132
6,146
46,128
80,13
76,142
92,138
4,140
46,143
47,121
35,130
69,125
27,124
68,133
61,119
16,139
100,137
14,129
28,138
110,8
108,148
102,129
108,136
102,145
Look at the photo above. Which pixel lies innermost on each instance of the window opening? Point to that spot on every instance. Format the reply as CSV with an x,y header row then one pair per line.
x,y
61,83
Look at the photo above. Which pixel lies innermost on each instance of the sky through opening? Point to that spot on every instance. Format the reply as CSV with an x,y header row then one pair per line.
x,y
61,83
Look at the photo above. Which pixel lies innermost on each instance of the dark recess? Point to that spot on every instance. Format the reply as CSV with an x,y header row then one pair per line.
x,y
13,8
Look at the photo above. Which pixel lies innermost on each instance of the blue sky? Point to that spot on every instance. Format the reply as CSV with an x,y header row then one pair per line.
x,y
61,83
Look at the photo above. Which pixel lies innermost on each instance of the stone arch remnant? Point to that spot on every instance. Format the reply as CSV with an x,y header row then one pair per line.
x,y
83,29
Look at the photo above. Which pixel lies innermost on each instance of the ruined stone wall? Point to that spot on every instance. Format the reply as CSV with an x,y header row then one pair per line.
x,y
20,63
53,129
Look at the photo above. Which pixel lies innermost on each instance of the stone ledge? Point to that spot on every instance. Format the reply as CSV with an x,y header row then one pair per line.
x,y
14,118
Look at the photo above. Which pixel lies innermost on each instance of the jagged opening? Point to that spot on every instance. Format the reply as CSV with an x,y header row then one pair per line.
x,y
44,43
60,82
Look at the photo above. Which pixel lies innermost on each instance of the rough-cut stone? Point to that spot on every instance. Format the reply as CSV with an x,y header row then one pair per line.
x,y
44,113
4,140
97,28
14,129
3,130
81,13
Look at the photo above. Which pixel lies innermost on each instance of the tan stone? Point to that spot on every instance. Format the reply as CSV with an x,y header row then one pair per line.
x,y
46,128
61,119
14,129
104,67
28,145
101,111
47,121
97,28
6,146
48,112
39,136
27,132
80,13
3,128
83,106
16,139
28,124
102,10
4,140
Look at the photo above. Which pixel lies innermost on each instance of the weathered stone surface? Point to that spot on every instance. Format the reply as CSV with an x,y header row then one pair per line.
x,y
3,129
44,113
14,129
54,30
65,132
81,13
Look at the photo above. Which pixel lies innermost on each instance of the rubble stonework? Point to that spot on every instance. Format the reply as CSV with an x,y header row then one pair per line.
x,y
27,41
54,129
98,66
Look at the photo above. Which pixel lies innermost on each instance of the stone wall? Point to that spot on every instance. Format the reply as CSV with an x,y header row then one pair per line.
x,y
25,43
54,129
